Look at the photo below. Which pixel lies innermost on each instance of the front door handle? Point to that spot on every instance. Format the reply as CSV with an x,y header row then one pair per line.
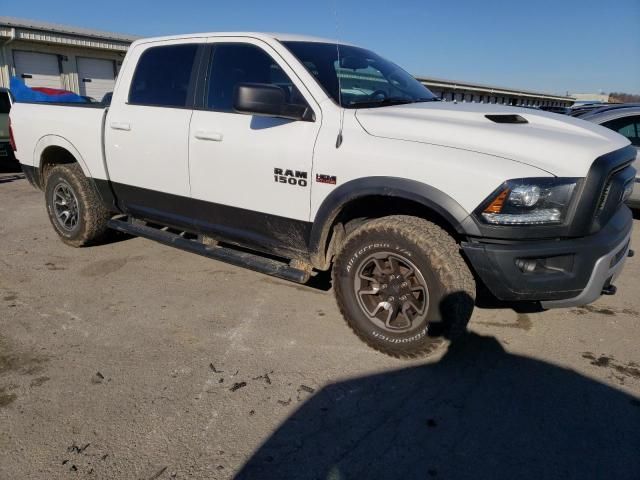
x,y
120,126
208,135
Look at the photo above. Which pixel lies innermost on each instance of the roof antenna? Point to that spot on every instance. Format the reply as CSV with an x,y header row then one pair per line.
x,y
335,14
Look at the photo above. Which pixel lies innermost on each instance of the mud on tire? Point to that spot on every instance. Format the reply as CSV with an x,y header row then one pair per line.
x,y
402,285
74,208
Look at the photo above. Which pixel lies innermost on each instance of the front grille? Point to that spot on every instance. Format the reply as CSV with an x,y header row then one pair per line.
x,y
613,193
604,197
602,191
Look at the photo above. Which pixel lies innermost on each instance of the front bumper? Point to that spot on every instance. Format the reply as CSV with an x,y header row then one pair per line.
x,y
568,272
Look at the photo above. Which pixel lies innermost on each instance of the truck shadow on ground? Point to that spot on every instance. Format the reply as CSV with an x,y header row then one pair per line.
x,y
480,412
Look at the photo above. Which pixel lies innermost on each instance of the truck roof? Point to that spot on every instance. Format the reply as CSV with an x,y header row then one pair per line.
x,y
285,37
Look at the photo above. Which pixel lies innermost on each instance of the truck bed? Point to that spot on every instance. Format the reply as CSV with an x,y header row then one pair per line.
x,y
77,127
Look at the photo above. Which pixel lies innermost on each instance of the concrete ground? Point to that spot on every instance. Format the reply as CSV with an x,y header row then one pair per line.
x,y
133,360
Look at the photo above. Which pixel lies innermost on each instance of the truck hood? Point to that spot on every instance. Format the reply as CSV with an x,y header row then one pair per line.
x,y
560,145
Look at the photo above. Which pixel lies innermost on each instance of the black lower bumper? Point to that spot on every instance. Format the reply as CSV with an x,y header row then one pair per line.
x,y
557,271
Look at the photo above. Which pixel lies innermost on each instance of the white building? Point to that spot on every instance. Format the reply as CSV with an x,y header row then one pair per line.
x,y
591,97
56,56
467,92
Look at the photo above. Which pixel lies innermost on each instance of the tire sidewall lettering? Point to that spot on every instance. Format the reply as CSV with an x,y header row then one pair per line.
x,y
373,246
415,337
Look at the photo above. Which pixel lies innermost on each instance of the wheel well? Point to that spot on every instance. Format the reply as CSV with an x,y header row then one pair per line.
x,y
359,210
52,156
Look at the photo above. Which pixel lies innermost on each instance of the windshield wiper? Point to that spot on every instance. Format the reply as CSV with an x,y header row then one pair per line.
x,y
383,102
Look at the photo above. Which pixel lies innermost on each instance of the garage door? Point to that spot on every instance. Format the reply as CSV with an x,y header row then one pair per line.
x,y
37,69
96,77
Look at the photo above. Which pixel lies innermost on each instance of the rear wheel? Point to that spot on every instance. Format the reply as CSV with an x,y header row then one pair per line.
x,y
402,285
75,210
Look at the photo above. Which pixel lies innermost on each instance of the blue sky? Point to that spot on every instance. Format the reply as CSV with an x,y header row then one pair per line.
x,y
554,46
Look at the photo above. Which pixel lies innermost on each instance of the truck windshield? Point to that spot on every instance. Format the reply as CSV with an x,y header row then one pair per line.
x,y
364,79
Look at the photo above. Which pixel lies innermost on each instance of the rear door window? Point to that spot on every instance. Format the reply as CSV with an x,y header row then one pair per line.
x,y
163,76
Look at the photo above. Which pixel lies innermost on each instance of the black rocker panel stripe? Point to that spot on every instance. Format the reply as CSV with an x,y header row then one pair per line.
x,y
259,231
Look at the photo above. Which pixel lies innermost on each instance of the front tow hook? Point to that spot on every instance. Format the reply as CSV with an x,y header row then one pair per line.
x,y
609,290
631,253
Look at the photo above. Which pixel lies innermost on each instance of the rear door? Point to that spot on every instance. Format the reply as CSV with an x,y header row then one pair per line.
x,y
38,69
96,76
147,131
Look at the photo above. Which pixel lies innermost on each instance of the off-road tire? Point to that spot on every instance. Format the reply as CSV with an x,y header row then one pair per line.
x,y
450,284
92,216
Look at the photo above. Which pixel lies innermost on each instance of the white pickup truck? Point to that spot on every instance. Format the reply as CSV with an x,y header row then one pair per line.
x,y
292,155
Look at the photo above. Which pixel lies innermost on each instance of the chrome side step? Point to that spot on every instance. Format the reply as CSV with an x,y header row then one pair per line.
x,y
239,258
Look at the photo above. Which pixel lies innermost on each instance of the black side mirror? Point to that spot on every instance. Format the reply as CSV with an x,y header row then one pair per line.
x,y
268,100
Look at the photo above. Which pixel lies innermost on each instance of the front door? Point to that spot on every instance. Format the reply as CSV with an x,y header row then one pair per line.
x,y
251,174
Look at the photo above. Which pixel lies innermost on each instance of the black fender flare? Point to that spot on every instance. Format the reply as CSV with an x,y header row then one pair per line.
x,y
395,187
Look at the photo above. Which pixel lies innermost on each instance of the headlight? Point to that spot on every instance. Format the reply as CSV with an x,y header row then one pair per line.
x,y
529,201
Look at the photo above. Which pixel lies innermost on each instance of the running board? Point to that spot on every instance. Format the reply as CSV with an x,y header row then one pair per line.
x,y
239,258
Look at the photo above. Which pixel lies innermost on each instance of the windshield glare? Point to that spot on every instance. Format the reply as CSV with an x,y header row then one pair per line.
x,y
363,78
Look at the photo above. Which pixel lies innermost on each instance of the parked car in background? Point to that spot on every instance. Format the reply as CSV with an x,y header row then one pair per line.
x,y
578,111
6,152
611,106
624,119
106,100
560,110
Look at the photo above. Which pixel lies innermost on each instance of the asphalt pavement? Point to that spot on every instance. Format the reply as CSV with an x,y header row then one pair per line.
x,y
133,360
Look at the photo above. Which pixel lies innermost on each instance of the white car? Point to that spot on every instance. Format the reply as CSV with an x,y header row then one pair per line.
x,y
312,156
624,119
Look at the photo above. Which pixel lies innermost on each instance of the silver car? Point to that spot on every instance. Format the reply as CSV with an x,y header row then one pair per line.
x,y
624,119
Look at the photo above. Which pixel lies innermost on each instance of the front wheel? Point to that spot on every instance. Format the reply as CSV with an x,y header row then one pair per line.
x,y
403,286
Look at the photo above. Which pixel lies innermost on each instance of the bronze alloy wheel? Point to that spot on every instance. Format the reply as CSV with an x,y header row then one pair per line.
x,y
391,291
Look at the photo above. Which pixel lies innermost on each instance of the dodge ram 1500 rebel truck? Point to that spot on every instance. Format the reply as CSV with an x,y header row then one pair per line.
x,y
292,155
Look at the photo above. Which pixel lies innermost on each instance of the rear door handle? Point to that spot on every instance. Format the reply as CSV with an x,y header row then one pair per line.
x,y
120,126
208,135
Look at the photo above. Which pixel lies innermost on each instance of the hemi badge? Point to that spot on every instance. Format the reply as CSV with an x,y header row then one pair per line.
x,y
330,179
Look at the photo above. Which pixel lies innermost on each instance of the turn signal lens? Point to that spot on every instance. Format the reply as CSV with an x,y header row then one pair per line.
x,y
498,202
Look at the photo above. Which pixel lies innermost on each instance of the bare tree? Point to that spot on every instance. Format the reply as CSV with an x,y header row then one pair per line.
x,y
619,97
